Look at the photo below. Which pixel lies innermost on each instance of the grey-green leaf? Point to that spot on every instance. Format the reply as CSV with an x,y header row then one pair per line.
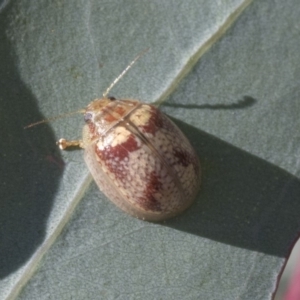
x,y
227,72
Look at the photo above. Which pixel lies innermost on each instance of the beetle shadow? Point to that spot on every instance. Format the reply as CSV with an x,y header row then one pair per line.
x,y
244,200
246,102
30,165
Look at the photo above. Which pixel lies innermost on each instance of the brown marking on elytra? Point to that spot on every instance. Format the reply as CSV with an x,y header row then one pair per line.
x,y
149,203
153,186
112,157
183,157
154,123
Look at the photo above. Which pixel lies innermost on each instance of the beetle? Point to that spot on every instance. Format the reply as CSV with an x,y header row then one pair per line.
x,y
138,157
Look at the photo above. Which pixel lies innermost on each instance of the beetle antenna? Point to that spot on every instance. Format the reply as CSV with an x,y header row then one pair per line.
x,y
55,118
104,94
124,72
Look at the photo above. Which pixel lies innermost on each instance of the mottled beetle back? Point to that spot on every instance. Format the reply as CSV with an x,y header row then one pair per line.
x,y
140,159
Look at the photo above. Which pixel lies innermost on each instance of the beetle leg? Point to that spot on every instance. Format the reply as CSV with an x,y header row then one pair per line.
x,y
63,144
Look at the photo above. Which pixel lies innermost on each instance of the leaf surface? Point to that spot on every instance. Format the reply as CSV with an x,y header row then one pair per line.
x,y
226,72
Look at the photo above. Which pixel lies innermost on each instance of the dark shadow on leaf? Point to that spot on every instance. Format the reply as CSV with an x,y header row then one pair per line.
x,y
244,200
246,102
30,165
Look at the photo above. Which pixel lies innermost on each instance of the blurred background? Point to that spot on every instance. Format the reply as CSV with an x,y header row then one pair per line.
x,y
289,285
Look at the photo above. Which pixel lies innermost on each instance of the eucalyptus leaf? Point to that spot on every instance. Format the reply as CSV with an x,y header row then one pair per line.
x,y
227,73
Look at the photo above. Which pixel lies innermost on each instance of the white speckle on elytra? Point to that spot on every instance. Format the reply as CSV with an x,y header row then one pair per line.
x,y
163,172
141,119
120,136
